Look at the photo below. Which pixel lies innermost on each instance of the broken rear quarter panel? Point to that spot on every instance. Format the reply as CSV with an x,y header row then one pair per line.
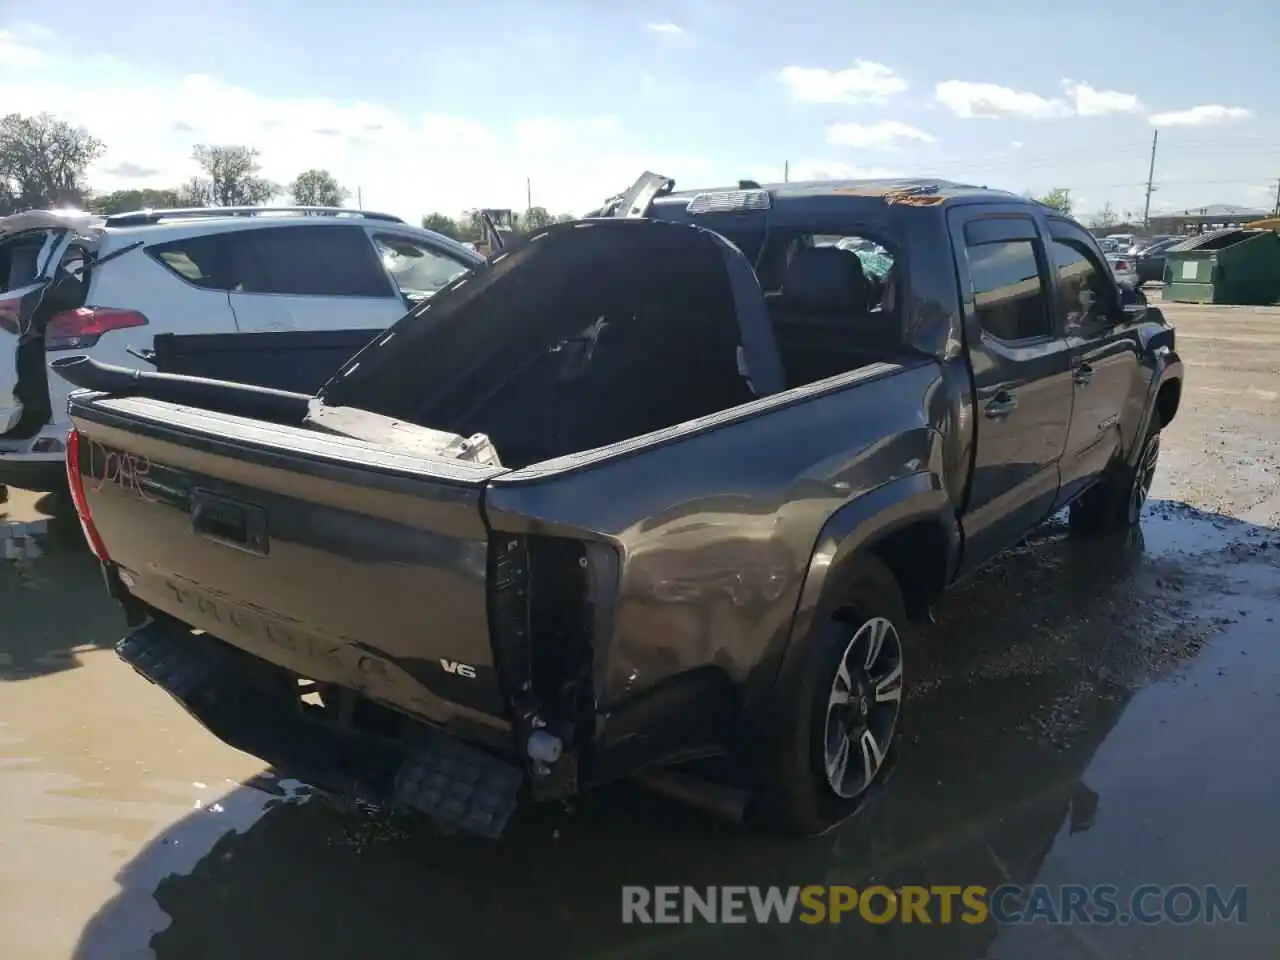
x,y
716,527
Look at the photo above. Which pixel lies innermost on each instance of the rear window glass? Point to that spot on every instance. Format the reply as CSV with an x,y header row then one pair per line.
x,y
1009,290
20,260
300,261
198,260
306,261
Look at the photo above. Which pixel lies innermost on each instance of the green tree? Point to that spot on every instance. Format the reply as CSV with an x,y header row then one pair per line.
x,y
317,188
124,201
43,161
536,218
1059,198
441,224
230,177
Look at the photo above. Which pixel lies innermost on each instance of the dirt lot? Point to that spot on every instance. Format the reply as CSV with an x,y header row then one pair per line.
x,y
1086,715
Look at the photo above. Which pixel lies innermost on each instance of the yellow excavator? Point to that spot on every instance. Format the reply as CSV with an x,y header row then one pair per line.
x,y
500,231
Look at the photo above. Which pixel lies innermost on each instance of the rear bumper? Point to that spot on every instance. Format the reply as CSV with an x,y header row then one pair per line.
x,y
248,705
43,473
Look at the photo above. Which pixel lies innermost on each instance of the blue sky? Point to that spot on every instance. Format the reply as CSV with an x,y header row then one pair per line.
x,y
445,106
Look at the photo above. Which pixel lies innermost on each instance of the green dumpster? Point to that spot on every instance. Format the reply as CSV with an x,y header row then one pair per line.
x,y
1237,266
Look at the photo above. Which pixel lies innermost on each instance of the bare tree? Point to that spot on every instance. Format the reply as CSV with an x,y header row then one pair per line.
x,y
43,161
1104,218
317,188
231,177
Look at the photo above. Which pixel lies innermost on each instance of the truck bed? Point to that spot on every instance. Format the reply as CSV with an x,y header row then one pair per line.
x,y
300,361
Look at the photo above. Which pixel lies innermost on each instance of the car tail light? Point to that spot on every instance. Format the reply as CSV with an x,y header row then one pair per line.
x,y
82,327
75,480
1122,264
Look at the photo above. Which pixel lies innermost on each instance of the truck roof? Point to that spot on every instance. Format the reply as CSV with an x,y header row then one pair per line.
x,y
929,191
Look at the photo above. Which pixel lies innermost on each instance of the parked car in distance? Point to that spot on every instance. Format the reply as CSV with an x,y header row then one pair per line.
x,y
1123,267
107,286
663,483
1149,261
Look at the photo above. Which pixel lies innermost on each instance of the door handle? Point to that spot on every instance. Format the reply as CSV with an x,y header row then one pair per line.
x,y
1083,374
1001,405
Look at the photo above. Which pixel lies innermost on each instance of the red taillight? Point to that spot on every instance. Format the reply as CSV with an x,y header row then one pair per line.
x,y
1122,264
75,480
80,328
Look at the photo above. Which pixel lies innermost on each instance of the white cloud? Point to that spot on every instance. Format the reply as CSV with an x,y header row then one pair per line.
x,y
666,28
864,82
1202,116
884,135
15,53
817,169
404,163
1015,144
1088,101
973,101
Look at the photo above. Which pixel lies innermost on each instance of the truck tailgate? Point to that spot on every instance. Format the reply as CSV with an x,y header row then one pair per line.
x,y
336,560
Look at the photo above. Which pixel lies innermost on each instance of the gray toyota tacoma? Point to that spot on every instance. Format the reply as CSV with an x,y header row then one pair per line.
x,y
668,482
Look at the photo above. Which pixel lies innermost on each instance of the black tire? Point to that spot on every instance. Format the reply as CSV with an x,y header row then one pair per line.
x,y
800,797
1116,502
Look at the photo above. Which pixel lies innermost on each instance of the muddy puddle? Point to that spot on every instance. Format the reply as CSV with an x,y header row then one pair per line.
x,y
1081,713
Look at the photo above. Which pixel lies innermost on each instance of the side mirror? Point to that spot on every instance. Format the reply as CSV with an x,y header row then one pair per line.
x,y
1133,303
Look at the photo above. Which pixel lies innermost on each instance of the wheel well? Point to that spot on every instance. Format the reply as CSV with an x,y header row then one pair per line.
x,y
917,556
1167,401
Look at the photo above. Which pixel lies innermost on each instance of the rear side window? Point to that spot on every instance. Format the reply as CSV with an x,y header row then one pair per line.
x,y
1009,291
198,260
305,261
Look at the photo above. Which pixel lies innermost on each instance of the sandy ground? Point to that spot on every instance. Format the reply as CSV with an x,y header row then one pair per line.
x,y
1083,714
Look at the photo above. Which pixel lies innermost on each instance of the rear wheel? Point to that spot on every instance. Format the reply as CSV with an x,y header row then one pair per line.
x,y
1116,502
844,706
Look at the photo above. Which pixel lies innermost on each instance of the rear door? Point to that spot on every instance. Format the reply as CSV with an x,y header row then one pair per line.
x,y
309,277
1022,375
1104,355
27,262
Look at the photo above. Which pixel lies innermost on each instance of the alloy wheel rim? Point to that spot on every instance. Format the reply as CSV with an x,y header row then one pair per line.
x,y
862,708
1143,477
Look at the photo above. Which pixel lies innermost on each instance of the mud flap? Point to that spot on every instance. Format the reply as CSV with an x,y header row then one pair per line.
x,y
454,784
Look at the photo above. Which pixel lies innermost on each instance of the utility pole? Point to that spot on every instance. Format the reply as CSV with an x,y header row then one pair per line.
x,y
528,194
359,199
1151,174
1277,210
786,171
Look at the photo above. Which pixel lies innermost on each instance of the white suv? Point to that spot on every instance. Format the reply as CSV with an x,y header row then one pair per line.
x,y
101,286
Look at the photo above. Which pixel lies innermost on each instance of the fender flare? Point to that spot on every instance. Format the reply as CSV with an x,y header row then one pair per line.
x,y
845,537
1166,368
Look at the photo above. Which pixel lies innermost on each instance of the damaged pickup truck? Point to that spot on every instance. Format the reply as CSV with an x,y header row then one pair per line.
x,y
667,482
